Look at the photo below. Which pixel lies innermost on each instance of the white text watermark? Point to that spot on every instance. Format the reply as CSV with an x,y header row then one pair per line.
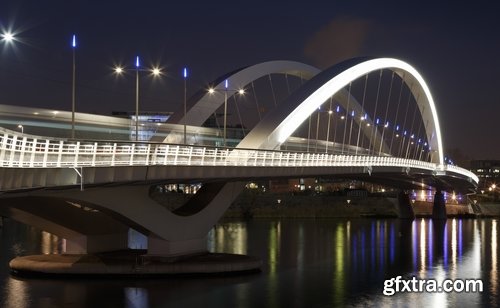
x,y
414,285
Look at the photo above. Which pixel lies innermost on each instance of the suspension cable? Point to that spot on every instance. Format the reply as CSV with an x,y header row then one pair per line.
x,y
411,129
345,123
400,152
397,113
328,125
239,115
317,130
287,84
272,90
385,116
362,108
256,102
375,116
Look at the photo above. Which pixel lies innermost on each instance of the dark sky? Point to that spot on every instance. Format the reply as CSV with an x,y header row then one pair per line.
x,y
456,48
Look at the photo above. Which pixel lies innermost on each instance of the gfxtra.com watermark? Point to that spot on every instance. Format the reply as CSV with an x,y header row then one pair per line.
x,y
398,284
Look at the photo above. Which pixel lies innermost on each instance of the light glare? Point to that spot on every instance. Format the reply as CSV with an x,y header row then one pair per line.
x,y
8,37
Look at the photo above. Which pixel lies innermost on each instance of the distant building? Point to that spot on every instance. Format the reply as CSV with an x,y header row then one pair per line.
x,y
488,172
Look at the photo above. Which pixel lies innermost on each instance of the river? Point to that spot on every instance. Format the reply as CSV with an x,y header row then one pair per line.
x,y
306,263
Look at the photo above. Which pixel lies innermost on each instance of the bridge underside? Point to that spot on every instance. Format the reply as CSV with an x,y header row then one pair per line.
x,y
97,219
398,177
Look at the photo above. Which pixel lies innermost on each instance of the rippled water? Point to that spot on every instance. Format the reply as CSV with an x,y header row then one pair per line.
x,y
307,263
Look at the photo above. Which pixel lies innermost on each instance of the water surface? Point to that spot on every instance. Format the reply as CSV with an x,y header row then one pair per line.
x,y
306,263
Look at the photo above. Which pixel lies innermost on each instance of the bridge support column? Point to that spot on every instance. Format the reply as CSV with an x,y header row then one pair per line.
x,y
439,207
405,210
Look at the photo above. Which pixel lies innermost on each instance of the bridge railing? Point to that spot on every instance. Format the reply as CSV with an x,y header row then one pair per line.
x,y
22,151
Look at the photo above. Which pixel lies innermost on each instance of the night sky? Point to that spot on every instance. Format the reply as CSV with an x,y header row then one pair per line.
x,y
456,48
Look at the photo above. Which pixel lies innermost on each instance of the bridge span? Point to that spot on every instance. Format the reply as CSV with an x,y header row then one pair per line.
x,y
91,192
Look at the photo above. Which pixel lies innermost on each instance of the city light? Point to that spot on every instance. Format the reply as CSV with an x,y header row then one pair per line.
x,y
241,91
118,70
211,90
7,37
73,42
156,71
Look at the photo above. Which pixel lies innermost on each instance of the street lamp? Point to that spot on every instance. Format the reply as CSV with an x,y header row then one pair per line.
x,y
212,91
21,127
185,74
73,46
155,71
8,37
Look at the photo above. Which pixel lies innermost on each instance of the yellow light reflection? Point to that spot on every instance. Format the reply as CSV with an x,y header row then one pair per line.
x,y
494,273
338,278
453,245
16,293
422,248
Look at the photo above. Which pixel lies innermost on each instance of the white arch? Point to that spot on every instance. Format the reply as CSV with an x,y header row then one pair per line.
x,y
203,104
279,125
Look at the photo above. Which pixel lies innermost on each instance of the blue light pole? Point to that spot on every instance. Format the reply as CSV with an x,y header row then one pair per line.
x,y
225,109
137,65
73,46
155,71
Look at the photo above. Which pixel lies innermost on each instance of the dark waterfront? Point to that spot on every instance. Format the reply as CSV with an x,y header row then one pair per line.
x,y
306,263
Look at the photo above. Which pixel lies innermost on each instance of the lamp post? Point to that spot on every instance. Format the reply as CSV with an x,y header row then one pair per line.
x,y
226,88
155,71
73,46
137,64
225,110
185,73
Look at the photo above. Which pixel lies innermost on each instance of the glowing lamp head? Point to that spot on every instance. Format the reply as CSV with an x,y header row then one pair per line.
x,y
211,90
226,83
397,128
156,71
137,63
241,91
185,72
73,41
8,37
352,113
118,70
338,109
330,111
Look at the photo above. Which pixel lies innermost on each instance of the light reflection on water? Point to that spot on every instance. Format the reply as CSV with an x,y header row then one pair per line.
x,y
305,263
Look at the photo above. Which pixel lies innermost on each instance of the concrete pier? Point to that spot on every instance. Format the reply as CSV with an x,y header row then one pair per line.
x,y
405,210
133,263
439,207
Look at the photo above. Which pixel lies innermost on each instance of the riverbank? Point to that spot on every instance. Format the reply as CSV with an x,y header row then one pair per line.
x,y
328,206
286,205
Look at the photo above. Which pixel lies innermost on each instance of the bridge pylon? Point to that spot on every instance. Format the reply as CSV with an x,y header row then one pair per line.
x,y
439,206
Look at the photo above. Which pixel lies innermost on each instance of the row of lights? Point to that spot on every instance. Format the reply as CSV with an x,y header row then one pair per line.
x,y
386,125
9,37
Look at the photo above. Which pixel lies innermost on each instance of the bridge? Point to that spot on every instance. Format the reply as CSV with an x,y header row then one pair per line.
x,y
92,190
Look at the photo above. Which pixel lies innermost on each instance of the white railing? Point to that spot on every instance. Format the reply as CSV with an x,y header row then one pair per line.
x,y
30,152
